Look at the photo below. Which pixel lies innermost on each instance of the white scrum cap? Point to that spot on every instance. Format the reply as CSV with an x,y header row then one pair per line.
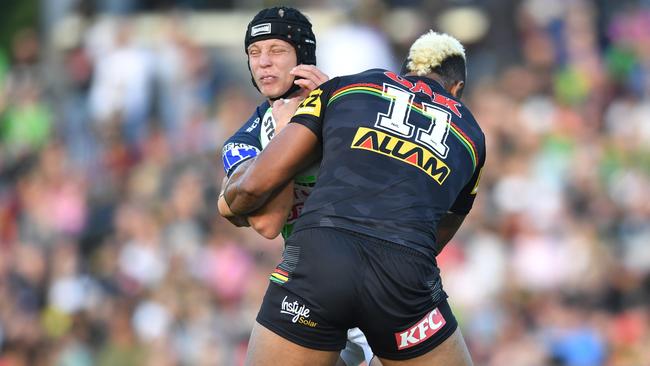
x,y
428,52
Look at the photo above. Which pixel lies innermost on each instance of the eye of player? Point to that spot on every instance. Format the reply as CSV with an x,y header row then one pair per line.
x,y
278,50
254,51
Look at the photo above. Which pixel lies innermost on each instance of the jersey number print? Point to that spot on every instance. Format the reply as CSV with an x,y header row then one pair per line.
x,y
396,120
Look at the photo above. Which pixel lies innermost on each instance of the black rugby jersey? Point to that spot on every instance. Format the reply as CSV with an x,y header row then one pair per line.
x,y
397,154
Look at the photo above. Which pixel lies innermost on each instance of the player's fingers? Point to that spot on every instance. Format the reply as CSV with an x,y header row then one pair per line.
x,y
306,84
313,70
305,74
322,77
310,72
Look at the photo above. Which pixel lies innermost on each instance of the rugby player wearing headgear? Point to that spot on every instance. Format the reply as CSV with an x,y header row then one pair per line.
x,y
281,50
401,158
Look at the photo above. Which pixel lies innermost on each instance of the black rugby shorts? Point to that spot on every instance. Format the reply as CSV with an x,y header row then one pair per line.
x,y
331,280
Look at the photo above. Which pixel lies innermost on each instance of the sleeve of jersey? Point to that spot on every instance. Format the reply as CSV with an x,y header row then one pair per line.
x,y
465,199
243,145
311,111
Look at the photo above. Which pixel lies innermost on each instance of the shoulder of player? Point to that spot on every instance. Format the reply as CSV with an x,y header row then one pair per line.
x,y
363,76
345,81
468,116
253,122
261,109
468,121
470,129
248,134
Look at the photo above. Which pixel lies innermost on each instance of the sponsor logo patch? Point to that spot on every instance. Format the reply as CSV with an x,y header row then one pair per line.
x,y
261,29
253,125
234,153
421,331
402,150
299,313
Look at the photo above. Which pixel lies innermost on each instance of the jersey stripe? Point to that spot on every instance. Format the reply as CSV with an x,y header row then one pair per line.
x,y
376,90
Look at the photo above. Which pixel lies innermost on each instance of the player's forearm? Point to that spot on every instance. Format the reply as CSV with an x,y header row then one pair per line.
x,y
224,211
273,168
447,228
242,200
235,191
248,191
270,218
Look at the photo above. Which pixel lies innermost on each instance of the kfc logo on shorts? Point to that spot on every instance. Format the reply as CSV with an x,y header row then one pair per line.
x,y
423,330
300,312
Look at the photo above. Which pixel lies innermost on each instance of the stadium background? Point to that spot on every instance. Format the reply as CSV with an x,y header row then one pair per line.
x,y
112,114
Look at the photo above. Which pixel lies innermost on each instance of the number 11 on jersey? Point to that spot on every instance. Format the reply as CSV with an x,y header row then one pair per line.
x,y
396,120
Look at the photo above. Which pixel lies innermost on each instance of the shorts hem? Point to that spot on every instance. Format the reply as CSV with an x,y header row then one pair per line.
x,y
297,340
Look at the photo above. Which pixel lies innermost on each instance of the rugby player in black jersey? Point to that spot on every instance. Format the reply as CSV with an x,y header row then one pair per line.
x,y
401,158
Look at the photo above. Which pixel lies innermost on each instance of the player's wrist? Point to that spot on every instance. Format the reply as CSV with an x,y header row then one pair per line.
x,y
224,207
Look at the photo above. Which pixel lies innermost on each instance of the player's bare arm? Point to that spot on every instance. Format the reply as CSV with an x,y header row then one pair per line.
x,y
290,152
270,218
447,227
222,206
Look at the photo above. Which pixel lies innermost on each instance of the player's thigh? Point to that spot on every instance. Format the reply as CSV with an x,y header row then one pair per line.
x,y
268,348
310,300
406,313
452,352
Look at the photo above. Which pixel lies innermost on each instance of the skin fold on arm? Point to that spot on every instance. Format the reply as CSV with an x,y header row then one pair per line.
x,y
291,151
268,219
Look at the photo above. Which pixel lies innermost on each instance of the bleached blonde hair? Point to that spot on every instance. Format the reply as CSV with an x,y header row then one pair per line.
x,y
430,50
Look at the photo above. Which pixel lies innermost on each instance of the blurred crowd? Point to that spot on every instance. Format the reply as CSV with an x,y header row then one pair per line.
x,y
111,251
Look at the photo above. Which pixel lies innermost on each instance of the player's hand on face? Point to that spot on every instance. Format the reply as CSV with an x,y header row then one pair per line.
x,y
308,77
283,110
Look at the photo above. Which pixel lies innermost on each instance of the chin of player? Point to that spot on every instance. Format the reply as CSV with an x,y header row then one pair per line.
x,y
272,90
271,93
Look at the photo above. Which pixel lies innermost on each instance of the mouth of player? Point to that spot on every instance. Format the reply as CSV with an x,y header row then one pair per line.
x,y
266,80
